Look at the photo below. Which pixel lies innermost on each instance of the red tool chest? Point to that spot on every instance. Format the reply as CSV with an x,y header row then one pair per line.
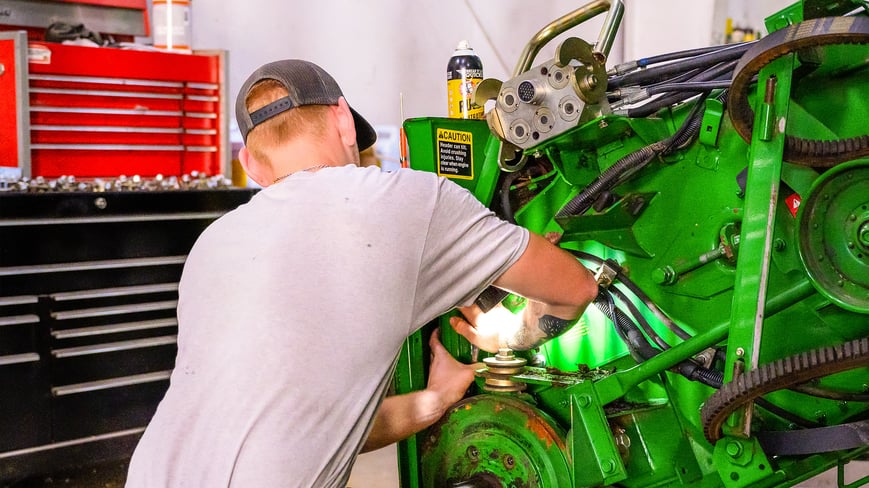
x,y
103,112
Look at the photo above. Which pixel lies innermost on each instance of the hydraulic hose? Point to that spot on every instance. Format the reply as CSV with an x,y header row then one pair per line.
x,y
658,73
722,71
635,312
647,301
625,328
635,160
640,348
630,164
505,196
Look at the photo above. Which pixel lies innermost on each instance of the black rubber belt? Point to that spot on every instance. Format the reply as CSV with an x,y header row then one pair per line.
x,y
780,374
816,32
811,441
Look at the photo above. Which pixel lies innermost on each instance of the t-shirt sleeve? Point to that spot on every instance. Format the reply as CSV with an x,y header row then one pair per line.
x,y
467,248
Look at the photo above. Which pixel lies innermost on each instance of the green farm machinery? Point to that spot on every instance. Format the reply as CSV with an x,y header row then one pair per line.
x,y
721,196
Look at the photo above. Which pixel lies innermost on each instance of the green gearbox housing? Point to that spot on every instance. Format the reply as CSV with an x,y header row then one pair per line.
x,y
724,206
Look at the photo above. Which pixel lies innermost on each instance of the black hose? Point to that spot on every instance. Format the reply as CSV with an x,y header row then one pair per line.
x,y
640,348
696,86
715,73
506,208
638,292
625,328
643,62
636,160
657,73
635,312
630,164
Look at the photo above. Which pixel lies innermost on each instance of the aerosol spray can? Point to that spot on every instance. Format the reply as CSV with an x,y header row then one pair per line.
x,y
464,72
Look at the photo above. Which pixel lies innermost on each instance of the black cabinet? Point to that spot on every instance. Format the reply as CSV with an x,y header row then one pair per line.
x,y
88,289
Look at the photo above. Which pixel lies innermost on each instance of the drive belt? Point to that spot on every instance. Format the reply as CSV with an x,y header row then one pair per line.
x,y
777,375
811,33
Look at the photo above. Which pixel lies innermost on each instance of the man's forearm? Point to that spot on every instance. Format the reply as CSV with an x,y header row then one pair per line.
x,y
401,416
536,328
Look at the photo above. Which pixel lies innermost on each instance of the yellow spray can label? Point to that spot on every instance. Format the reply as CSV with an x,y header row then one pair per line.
x,y
464,73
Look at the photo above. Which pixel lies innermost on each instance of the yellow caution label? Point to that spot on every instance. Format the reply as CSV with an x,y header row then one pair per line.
x,y
455,154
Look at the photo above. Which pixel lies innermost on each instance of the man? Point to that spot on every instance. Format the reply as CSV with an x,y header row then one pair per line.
x,y
293,307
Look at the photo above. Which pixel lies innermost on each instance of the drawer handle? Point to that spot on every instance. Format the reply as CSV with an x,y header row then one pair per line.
x,y
115,310
91,265
113,328
29,357
19,319
70,352
119,291
137,379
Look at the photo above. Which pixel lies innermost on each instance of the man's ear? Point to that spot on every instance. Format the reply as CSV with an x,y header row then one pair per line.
x,y
254,169
346,126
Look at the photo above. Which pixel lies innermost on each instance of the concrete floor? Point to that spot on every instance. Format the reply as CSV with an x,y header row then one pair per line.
x,y
378,469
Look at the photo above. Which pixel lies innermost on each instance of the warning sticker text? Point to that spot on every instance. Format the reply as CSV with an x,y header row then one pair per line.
x,y
455,154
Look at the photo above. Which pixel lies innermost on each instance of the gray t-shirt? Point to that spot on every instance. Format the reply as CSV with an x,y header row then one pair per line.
x,y
292,310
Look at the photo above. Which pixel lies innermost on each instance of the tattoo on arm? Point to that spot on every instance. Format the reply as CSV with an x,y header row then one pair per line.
x,y
554,326
547,328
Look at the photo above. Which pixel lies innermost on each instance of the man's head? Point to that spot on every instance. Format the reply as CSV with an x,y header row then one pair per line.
x,y
287,99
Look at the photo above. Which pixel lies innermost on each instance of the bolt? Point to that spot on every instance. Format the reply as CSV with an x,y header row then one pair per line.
x,y
863,234
608,465
2,69
734,449
509,462
840,283
602,124
584,401
852,218
780,245
473,452
740,352
100,203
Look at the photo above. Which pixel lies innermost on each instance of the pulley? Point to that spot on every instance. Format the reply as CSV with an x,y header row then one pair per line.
x,y
495,441
833,236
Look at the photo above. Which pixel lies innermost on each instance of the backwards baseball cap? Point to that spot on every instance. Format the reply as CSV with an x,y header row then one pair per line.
x,y
307,84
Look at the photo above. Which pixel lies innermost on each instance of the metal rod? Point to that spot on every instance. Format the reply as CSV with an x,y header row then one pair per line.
x,y
609,31
555,28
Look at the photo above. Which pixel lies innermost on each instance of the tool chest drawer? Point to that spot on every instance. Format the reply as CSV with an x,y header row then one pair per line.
x,y
88,328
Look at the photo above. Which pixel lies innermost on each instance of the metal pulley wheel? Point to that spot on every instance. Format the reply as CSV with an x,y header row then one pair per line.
x,y
495,441
833,237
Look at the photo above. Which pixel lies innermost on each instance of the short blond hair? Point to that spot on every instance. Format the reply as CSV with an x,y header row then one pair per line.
x,y
307,120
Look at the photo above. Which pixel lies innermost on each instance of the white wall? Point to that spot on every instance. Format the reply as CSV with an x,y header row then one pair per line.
x,y
379,49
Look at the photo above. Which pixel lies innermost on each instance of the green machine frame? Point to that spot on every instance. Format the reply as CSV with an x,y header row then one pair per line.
x,y
773,299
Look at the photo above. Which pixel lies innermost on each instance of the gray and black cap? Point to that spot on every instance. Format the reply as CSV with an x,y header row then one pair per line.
x,y
307,84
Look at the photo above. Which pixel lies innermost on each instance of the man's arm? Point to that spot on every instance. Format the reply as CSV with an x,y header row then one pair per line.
x,y
401,416
558,289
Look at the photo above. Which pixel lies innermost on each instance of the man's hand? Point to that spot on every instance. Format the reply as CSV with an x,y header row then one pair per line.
x,y
401,416
485,334
447,377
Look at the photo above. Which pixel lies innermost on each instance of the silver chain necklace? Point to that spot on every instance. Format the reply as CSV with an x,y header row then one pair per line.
x,y
309,168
